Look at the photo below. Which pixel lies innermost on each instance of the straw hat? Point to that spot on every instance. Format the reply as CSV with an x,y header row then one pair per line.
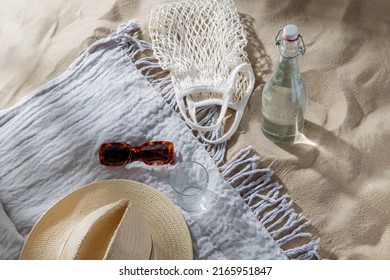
x,y
111,219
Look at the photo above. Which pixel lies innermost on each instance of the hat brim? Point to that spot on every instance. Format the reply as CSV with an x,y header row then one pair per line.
x,y
169,230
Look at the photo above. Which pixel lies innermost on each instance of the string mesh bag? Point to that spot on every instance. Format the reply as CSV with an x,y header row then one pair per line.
x,y
202,44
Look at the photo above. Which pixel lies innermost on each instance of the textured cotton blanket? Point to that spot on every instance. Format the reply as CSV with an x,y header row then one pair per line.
x,y
49,147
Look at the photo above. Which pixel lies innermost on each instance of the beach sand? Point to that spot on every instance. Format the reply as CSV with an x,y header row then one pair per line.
x,y
338,174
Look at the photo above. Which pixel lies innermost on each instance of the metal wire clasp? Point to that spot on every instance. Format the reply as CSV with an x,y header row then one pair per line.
x,y
301,45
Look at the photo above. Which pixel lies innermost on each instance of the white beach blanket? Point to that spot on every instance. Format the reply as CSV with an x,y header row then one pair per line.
x,y
49,147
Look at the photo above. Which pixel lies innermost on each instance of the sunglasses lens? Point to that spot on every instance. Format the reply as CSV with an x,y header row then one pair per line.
x,y
116,154
156,153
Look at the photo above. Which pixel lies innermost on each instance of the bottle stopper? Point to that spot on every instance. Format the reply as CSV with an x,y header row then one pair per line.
x,y
290,32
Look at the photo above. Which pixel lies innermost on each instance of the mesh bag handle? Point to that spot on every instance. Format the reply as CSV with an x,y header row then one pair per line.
x,y
239,107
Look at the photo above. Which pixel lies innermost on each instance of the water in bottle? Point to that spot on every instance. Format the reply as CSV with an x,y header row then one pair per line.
x,y
284,94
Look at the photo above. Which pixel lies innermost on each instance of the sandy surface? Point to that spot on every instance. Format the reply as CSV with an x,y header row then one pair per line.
x,y
339,175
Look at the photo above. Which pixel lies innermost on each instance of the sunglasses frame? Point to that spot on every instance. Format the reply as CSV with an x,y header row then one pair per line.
x,y
137,152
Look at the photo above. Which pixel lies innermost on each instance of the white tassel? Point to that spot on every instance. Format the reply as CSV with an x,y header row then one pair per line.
x,y
305,252
274,210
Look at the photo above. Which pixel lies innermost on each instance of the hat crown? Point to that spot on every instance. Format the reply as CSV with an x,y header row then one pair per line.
x,y
113,231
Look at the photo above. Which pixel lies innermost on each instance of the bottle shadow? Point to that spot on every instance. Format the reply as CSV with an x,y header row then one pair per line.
x,y
329,155
334,160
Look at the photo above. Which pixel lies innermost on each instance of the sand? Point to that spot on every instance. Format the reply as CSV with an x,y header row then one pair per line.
x,y
337,175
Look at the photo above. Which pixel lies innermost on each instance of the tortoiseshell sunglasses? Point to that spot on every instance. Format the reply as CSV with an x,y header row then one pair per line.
x,y
151,153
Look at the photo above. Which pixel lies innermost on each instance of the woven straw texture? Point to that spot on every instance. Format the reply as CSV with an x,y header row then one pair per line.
x,y
170,234
116,231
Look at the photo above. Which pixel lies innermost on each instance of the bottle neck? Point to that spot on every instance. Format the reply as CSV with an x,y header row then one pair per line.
x,y
288,67
289,51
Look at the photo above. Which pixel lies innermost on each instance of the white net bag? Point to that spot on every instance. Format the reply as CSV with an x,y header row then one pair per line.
x,y
202,44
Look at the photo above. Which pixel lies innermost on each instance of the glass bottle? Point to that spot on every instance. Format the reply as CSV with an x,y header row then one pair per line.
x,y
284,94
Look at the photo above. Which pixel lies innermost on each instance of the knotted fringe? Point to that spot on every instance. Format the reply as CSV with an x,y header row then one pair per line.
x,y
263,195
141,54
273,207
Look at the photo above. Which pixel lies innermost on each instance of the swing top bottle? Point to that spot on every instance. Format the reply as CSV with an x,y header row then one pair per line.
x,y
284,94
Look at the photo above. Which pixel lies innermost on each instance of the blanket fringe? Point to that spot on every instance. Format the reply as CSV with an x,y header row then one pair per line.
x,y
273,208
140,52
264,196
